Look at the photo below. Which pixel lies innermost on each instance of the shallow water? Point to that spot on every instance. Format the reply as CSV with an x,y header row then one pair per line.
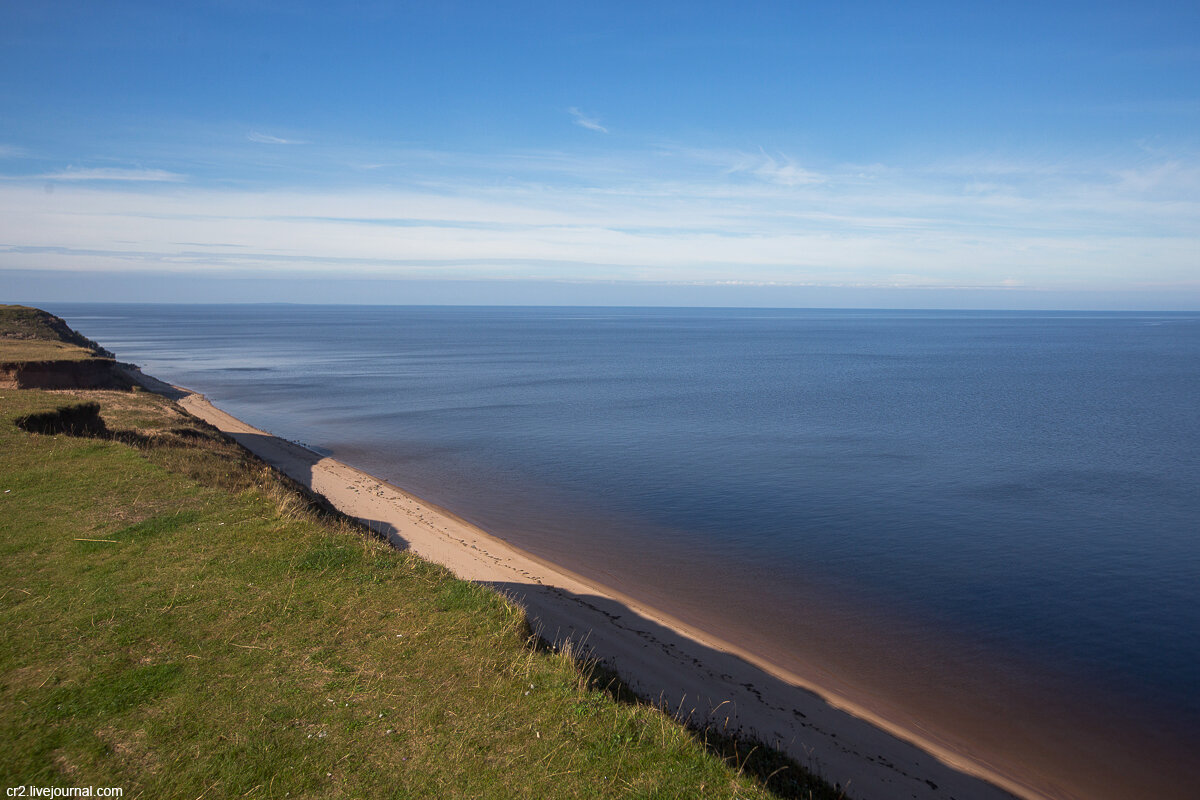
x,y
984,521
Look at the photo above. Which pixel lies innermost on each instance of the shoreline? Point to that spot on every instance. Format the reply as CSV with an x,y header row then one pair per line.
x,y
699,675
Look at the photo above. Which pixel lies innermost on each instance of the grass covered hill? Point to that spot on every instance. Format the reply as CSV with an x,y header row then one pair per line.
x,y
30,334
179,620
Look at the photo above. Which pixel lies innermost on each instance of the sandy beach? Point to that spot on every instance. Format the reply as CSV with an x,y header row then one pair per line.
x,y
695,674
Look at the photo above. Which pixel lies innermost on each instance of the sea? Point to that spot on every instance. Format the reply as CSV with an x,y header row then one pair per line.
x,y
983,524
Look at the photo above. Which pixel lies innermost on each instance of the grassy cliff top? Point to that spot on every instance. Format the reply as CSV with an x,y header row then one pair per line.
x,y
30,334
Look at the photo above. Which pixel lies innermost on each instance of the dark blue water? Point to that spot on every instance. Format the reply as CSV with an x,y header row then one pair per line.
x,y
912,506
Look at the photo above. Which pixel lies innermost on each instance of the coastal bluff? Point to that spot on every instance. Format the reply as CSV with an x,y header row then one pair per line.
x,y
96,373
42,352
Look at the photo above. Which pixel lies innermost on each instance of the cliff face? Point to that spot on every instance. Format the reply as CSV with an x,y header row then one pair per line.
x,y
96,373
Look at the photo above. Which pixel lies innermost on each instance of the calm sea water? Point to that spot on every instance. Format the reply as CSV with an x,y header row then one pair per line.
x,y
960,516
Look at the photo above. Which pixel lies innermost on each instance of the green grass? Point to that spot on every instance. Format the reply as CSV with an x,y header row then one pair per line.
x,y
177,620
29,334
17,351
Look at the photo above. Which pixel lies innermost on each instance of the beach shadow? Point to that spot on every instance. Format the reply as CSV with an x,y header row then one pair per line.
x,y
384,531
136,377
298,464
793,740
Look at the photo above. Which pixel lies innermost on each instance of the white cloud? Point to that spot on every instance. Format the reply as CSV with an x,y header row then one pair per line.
x,y
585,121
785,172
11,151
1164,180
111,174
702,216
779,169
266,138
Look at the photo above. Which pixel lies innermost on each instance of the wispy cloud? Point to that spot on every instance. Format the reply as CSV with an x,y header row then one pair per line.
x,y
640,215
1164,180
266,138
11,151
111,174
778,169
586,121
785,172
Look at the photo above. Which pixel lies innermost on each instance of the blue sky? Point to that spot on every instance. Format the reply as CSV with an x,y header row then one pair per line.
x,y
975,154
